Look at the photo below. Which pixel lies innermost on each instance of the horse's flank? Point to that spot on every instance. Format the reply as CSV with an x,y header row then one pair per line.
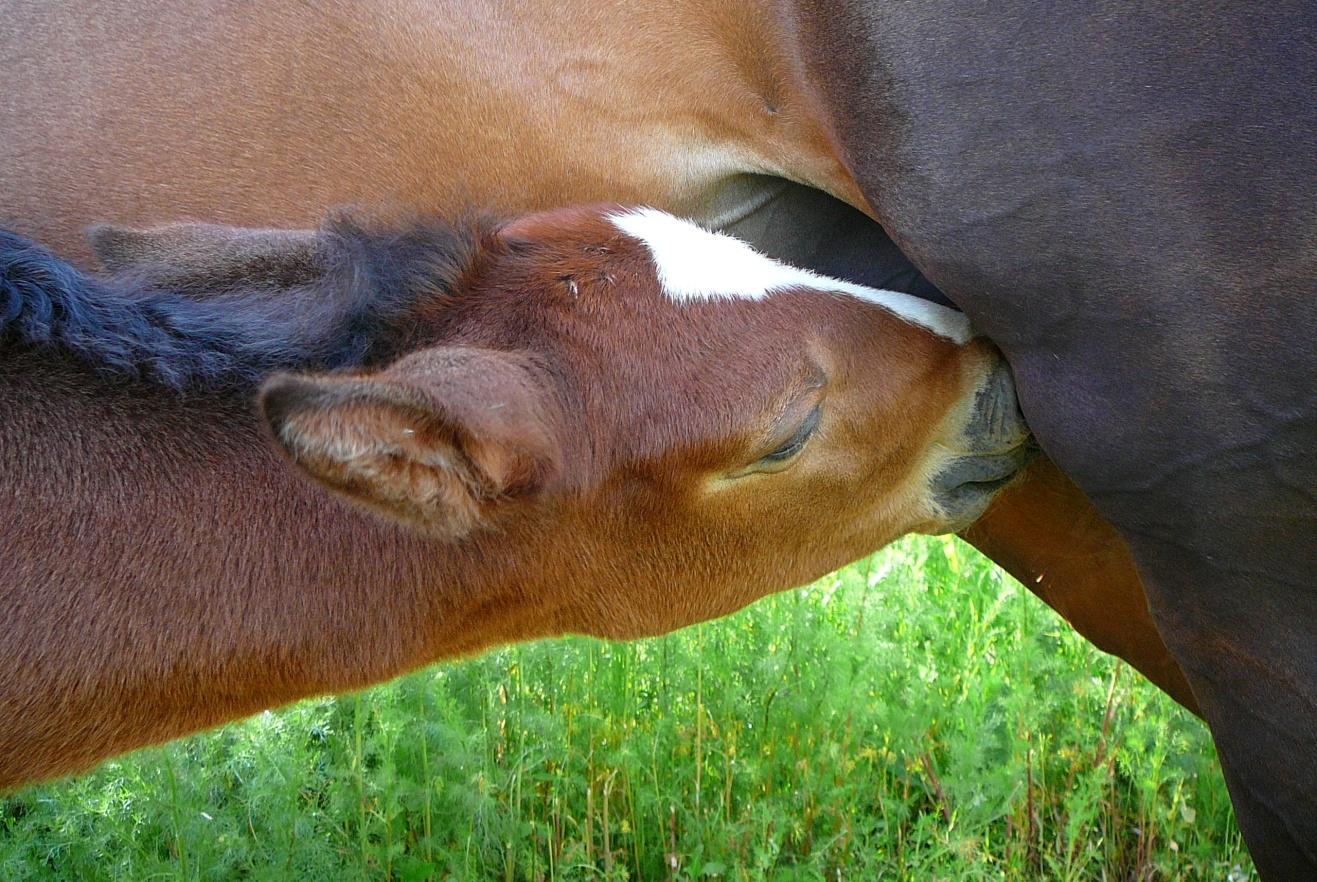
x,y
417,109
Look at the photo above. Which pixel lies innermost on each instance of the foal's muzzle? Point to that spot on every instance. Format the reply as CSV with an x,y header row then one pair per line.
x,y
995,447
996,425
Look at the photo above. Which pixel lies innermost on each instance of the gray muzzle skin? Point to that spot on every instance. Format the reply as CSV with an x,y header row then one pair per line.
x,y
997,447
997,425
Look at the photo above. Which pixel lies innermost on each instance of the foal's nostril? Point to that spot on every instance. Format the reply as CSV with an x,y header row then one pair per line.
x,y
996,422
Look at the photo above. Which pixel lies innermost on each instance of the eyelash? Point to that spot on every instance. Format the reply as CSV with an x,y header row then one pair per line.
x,y
798,441
786,452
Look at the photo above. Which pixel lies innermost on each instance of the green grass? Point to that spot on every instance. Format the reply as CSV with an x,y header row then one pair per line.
x,y
916,716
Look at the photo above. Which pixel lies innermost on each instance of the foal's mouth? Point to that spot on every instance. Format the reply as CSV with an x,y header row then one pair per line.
x,y
967,476
965,486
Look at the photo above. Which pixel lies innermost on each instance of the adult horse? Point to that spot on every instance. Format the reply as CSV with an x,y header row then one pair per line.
x,y
1142,180
1150,171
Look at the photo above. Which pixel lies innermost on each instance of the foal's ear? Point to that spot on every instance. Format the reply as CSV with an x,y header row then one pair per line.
x,y
442,440
208,257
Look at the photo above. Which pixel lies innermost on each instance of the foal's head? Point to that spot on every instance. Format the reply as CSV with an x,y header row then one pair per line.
x,y
654,421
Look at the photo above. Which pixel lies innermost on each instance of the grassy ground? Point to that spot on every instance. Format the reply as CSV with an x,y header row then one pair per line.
x,y
916,716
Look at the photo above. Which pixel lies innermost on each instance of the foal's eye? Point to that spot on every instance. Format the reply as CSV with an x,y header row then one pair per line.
x,y
795,443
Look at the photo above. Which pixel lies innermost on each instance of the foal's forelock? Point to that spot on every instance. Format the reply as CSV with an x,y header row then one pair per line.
x,y
346,302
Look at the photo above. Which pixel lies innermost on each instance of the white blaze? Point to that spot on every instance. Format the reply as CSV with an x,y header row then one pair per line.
x,y
695,264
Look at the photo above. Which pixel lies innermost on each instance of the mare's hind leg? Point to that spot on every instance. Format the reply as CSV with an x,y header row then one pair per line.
x,y
1237,604
1046,533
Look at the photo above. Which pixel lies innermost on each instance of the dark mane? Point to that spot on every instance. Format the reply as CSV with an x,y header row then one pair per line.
x,y
349,306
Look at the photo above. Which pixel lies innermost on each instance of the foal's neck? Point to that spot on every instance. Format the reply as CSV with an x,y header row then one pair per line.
x,y
159,553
